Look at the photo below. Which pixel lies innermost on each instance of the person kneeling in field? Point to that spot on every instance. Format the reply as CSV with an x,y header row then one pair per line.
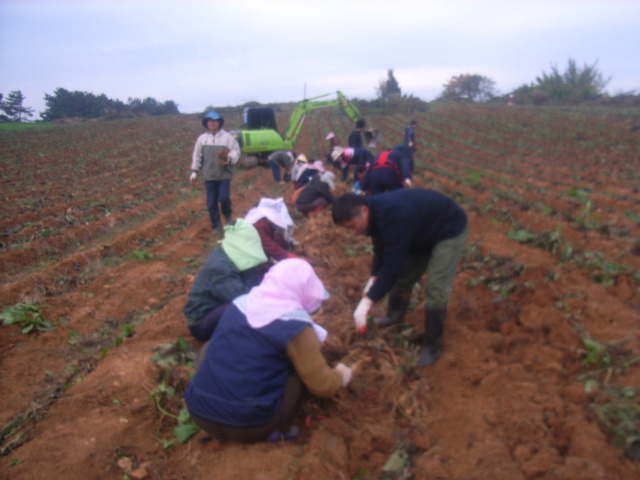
x,y
413,231
389,172
275,227
230,271
253,374
316,194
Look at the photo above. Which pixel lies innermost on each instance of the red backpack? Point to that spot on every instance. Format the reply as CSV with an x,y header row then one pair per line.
x,y
383,161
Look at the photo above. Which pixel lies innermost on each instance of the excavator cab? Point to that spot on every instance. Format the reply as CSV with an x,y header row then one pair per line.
x,y
259,118
259,131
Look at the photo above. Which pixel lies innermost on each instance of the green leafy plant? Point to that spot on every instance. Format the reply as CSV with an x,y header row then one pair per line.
x,y
473,180
633,216
521,235
167,357
127,331
617,408
186,427
142,255
28,316
620,416
579,193
584,217
597,354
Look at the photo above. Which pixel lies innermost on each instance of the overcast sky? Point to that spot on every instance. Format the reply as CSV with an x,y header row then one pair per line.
x,y
224,53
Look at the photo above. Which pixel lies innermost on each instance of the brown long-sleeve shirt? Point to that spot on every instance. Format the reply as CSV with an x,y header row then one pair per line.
x,y
311,366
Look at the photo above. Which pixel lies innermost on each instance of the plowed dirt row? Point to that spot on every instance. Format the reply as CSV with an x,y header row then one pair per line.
x,y
503,401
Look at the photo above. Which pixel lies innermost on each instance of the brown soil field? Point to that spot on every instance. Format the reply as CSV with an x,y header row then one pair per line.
x,y
540,374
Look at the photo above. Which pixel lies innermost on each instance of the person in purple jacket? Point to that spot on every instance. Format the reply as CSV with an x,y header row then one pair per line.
x,y
413,231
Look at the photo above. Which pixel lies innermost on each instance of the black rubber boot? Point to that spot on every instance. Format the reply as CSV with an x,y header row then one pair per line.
x,y
433,328
397,307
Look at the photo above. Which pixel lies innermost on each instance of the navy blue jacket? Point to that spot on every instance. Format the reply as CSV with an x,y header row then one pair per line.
x,y
410,136
243,377
219,281
355,138
404,222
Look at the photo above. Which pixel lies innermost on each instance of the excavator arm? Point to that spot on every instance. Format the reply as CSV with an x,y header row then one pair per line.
x,y
300,112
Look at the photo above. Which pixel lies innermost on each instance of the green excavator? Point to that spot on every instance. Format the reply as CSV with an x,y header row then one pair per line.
x,y
259,136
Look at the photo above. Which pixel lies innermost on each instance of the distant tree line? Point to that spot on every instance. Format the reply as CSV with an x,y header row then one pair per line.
x,y
572,86
66,104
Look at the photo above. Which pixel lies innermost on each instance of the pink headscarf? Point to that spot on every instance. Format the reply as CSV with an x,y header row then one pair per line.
x,y
290,284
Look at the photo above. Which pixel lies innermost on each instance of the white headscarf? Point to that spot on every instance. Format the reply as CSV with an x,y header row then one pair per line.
x,y
274,210
289,285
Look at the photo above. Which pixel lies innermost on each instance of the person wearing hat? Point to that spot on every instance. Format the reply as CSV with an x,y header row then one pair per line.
x,y
334,141
316,194
281,160
264,359
230,271
360,158
299,165
275,226
216,152
413,231
306,173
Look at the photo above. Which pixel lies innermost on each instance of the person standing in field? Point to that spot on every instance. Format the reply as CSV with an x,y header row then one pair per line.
x,y
410,142
413,231
355,136
216,153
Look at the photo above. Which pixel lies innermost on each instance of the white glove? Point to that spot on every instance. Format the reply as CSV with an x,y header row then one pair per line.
x,y
346,373
192,177
407,182
368,285
360,315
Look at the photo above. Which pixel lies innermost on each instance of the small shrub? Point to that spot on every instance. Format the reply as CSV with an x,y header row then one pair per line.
x,y
28,316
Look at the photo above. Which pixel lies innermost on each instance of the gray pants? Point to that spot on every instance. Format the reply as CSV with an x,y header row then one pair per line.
x,y
440,266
